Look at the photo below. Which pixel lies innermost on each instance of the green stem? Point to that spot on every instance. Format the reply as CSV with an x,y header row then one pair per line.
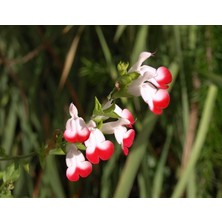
x,y
200,139
18,157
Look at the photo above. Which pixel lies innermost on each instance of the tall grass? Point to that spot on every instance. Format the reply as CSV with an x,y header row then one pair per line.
x,y
45,68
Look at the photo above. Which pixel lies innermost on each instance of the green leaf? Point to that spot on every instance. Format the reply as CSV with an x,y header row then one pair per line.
x,y
122,84
26,167
97,108
57,151
6,190
80,146
100,114
11,173
126,80
109,112
122,68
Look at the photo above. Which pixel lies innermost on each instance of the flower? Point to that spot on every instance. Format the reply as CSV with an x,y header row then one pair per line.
x,y
151,84
76,129
96,146
125,114
123,136
76,163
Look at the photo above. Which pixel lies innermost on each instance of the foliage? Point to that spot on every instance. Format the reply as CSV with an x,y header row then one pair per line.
x,y
45,68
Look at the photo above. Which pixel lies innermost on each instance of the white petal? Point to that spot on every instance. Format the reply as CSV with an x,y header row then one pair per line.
x,y
91,143
148,72
73,155
134,88
69,124
118,110
142,57
119,134
73,111
99,136
96,137
107,105
109,128
147,92
91,124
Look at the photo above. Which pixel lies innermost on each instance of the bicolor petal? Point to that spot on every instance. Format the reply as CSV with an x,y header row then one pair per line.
x,y
162,79
124,138
125,114
128,141
76,163
97,147
76,129
157,99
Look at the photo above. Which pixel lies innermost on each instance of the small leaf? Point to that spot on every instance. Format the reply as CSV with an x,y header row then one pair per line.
x,y
126,80
122,84
97,108
26,167
109,112
122,68
80,146
57,151
11,173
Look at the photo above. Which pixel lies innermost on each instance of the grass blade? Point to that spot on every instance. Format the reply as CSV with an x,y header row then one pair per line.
x,y
107,53
200,138
134,159
158,178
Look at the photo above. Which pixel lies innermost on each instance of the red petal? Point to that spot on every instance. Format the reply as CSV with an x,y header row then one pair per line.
x,y
125,150
128,115
156,111
93,157
84,169
76,131
103,153
164,76
128,140
72,174
69,136
161,99
82,131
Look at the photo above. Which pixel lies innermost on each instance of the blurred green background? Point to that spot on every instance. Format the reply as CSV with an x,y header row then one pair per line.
x,y
45,68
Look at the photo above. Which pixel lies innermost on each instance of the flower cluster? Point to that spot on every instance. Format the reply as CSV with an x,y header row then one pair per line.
x,y
91,138
141,80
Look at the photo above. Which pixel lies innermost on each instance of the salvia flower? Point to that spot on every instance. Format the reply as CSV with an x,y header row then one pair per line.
x,y
97,147
119,128
76,129
76,163
151,85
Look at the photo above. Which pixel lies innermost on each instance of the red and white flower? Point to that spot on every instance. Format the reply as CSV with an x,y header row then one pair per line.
x,y
123,136
76,129
76,163
97,147
151,84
